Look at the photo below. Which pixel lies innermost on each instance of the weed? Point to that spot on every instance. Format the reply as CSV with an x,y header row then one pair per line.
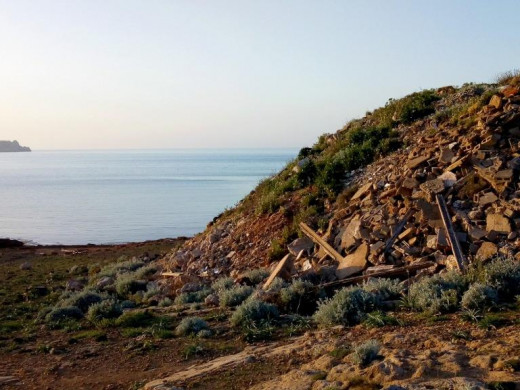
x,y
491,321
234,296
62,313
190,325
165,302
108,308
257,276
294,295
365,353
192,350
135,319
253,311
479,297
340,352
256,331
347,307
384,289
224,283
192,297
377,319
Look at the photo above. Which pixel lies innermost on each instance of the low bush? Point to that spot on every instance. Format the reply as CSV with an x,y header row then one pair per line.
x,y
108,308
135,319
257,275
377,319
503,275
384,289
191,325
365,353
223,283
127,284
82,299
437,294
234,296
253,311
277,284
292,296
121,267
347,307
62,313
479,297
165,302
192,297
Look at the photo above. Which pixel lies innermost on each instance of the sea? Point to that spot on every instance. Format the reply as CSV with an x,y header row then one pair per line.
x,y
118,196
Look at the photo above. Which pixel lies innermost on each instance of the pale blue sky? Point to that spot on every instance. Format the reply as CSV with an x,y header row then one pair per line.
x,y
165,74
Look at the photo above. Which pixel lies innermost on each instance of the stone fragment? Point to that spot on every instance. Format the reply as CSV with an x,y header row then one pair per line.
x,y
448,178
353,263
429,213
446,156
498,223
431,188
74,285
486,251
26,266
431,241
415,162
300,244
212,300
487,198
495,101
442,239
351,233
361,191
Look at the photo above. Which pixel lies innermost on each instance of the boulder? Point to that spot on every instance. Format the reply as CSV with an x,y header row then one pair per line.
x,y
498,223
300,244
353,263
26,266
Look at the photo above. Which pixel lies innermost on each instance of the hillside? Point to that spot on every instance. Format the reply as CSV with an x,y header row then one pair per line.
x,y
355,185
385,256
12,146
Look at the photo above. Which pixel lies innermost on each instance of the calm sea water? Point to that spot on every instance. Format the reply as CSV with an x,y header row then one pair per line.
x,y
79,197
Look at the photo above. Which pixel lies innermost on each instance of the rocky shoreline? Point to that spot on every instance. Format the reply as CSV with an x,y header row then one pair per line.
x,y
12,146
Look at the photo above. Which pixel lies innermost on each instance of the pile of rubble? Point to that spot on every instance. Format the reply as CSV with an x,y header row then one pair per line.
x,y
451,196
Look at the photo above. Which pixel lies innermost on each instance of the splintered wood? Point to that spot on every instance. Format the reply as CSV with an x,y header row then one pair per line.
x,y
452,236
321,242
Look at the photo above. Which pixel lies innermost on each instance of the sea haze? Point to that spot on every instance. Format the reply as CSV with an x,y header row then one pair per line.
x,y
80,197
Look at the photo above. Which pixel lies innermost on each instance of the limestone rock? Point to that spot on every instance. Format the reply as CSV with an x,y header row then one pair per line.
x,y
353,263
487,251
300,244
498,223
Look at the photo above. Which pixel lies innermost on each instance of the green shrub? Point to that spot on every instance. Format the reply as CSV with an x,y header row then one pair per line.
x,y
365,353
277,250
62,313
223,283
257,275
191,325
437,294
508,77
384,289
277,284
145,272
347,307
479,297
108,308
253,311
293,296
234,296
192,297
121,267
135,319
377,319
82,299
503,275
165,302
127,284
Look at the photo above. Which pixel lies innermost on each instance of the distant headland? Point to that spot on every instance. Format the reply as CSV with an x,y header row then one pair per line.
x,y
13,146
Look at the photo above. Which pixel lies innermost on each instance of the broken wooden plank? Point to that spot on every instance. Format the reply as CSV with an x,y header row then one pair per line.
x,y
171,274
278,269
452,236
398,230
395,272
321,242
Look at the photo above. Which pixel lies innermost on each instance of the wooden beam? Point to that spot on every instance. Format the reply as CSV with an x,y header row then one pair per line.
x,y
398,230
452,236
278,269
320,241
399,271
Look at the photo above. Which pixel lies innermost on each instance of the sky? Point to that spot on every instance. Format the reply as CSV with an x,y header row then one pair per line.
x,y
110,74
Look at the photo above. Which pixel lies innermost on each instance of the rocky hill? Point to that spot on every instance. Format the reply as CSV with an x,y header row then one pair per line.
x,y
378,174
13,146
